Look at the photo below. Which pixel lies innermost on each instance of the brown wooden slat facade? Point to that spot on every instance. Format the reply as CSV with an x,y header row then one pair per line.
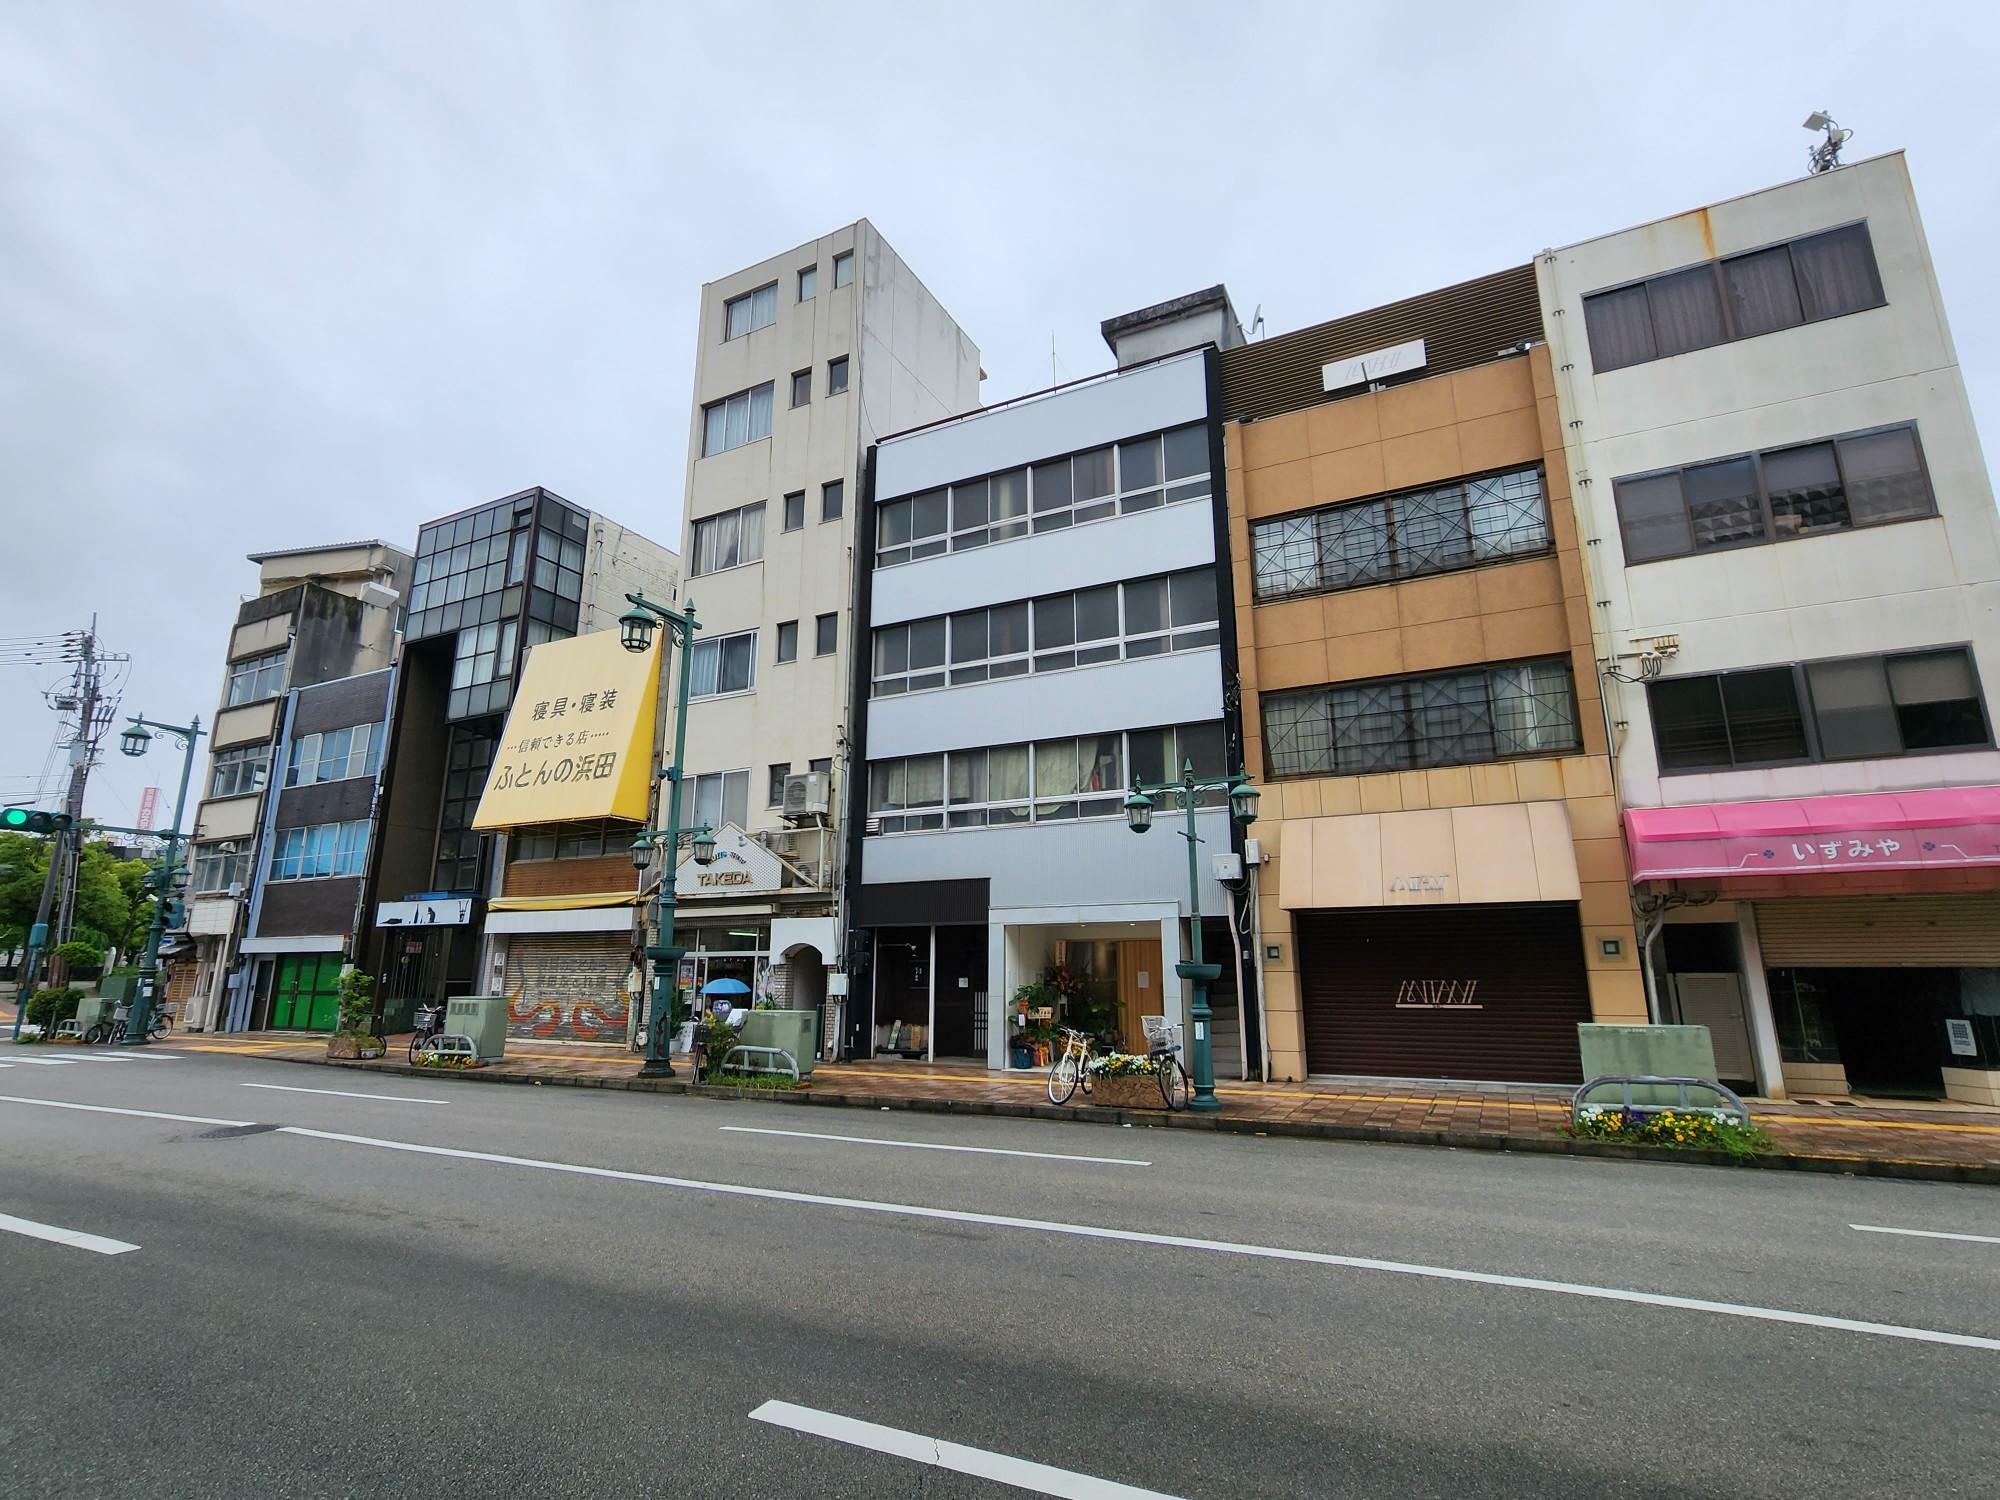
x,y
1531,991
1881,932
1461,326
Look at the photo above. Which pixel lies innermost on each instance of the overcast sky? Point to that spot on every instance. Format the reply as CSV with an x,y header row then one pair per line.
x,y
274,275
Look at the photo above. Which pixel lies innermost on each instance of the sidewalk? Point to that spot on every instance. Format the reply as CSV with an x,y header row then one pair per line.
x,y
1953,1142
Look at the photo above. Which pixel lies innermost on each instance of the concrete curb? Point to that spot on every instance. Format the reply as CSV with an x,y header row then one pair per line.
x,y
1987,1175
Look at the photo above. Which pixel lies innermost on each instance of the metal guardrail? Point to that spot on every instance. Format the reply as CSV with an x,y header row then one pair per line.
x,y
776,1060
1729,1105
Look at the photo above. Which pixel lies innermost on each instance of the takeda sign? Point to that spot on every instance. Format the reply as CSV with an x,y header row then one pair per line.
x,y
579,737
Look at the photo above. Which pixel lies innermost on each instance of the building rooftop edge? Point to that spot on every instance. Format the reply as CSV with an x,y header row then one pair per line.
x,y
1161,312
264,557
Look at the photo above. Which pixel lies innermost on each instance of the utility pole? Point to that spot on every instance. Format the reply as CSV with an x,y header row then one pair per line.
x,y
83,750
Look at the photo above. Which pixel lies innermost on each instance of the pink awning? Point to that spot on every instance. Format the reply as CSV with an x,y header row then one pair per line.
x,y
1938,828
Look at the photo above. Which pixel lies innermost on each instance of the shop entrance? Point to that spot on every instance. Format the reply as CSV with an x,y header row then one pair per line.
x,y
306,994
930,992
960,1026
1886,1026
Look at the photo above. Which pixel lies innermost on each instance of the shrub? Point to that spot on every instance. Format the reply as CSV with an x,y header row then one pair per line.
x,y
715,1036
84,960
48,1009
357,1002
1680,1130
1125,1065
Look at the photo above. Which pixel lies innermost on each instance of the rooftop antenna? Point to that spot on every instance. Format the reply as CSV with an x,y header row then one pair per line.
x,y
1825,156
1257,321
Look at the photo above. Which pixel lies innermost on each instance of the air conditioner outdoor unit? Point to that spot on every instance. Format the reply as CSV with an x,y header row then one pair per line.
x,y
806,795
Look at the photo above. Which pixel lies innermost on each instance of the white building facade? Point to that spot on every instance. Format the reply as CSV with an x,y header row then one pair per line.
x,y
801,362
1045,620
1791,535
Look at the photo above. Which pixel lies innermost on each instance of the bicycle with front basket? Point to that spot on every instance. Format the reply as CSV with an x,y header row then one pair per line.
x,y
1163,1046
1072,1068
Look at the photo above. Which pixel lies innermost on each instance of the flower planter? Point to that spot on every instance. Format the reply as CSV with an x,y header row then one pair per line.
x,y
343,1046
1126,1091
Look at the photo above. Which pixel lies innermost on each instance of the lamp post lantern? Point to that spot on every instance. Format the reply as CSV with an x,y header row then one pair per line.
x,y
635,633
1139,806
135,741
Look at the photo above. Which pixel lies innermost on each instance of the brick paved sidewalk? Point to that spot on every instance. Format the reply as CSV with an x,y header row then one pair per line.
x,y
1867,1136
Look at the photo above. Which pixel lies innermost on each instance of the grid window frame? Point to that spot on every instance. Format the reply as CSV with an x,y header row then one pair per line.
x,y
336,754
1770,531
1403,534
837,370
215,869
1424,721
1815,708
1735,321
1079,487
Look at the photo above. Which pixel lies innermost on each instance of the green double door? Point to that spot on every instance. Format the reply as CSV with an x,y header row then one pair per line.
x,y
305,996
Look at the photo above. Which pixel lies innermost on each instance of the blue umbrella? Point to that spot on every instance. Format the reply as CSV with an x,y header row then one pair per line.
x,y
725,987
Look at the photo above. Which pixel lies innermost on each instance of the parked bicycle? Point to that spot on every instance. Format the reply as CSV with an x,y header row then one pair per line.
x,y
1072,1068
1163,1046
430,1021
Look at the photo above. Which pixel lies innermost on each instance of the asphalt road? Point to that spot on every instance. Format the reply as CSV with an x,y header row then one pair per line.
x,y
574,1292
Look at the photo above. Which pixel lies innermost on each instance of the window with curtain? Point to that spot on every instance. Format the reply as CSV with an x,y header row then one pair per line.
x,y
1857,479
1848,708
735,420
1057,780
1825,275
722,664
728,540
750,312
722,797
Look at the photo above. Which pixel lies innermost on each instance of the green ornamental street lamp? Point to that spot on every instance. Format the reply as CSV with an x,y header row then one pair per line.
x,y
1139,817
135,741
635,633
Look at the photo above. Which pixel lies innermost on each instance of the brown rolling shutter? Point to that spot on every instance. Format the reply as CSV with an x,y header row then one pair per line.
x,y
1377,983
1881,932
568,986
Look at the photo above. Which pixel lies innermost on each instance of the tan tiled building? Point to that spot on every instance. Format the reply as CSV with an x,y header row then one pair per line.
x,y
1443,888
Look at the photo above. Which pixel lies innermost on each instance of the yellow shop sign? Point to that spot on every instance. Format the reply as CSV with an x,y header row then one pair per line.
x,y
579,737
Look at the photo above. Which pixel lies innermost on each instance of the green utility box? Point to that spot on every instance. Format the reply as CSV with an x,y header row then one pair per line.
x,y
118,988
484,1019
793,1030
91,1009
1656,1051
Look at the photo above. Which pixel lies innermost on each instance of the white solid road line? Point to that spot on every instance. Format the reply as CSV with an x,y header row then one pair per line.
x,y
1041,1479
1928,1234
869,1140
48,1062
107,1109
291,1088
76,1239
1181,1242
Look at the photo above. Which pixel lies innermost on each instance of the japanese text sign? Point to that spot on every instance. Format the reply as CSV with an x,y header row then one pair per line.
x,y
579,737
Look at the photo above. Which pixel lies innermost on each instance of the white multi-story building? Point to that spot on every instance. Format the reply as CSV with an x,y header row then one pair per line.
x,y
1045,622
1791,533
801,362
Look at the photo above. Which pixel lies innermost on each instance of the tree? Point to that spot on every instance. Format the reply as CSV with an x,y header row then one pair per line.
x,y
26,859
101,903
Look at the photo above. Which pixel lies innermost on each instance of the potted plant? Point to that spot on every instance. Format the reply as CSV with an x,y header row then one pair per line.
x,y
1126,1080
353,1039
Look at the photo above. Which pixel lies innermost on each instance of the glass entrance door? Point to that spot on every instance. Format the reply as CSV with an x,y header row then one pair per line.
x,y
306,993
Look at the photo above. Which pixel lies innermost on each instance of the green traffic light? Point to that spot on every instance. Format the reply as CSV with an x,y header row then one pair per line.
x,y
14,817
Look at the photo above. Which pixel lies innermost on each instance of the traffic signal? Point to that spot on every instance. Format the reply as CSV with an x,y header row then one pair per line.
x,y
33,820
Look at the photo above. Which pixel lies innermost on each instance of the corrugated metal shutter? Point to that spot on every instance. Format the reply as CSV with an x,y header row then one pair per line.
x,y
1368,976
568,987
1881,932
